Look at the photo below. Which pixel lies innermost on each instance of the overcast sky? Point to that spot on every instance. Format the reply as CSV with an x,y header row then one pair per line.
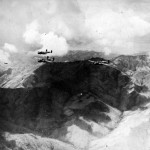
x,y
111,26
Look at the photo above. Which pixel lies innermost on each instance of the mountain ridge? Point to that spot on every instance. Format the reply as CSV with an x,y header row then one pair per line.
x,y
65,101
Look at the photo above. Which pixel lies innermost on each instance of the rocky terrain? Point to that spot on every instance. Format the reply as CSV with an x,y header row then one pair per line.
x,y
89,104
135,66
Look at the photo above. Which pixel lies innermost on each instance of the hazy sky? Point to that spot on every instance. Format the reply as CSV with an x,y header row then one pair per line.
x,y
111,26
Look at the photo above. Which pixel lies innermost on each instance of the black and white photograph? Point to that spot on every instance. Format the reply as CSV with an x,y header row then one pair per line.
x,y
74,74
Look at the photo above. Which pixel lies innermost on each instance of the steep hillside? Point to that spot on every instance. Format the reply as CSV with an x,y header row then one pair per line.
x,y
73,102
133,63
132,133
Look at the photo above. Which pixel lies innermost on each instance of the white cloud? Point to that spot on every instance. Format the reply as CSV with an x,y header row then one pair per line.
x,y
48,41
32,35
114,29
4,56
53,42
10,47
78,24
107,51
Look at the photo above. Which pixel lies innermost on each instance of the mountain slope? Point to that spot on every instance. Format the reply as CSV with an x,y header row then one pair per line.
x,y
73,102
133,132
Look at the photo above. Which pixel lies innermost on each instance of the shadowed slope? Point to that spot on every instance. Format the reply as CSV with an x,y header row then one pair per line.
x,y
67,101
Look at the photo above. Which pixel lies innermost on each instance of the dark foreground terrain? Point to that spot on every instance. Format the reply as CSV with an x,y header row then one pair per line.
x,y
67,105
